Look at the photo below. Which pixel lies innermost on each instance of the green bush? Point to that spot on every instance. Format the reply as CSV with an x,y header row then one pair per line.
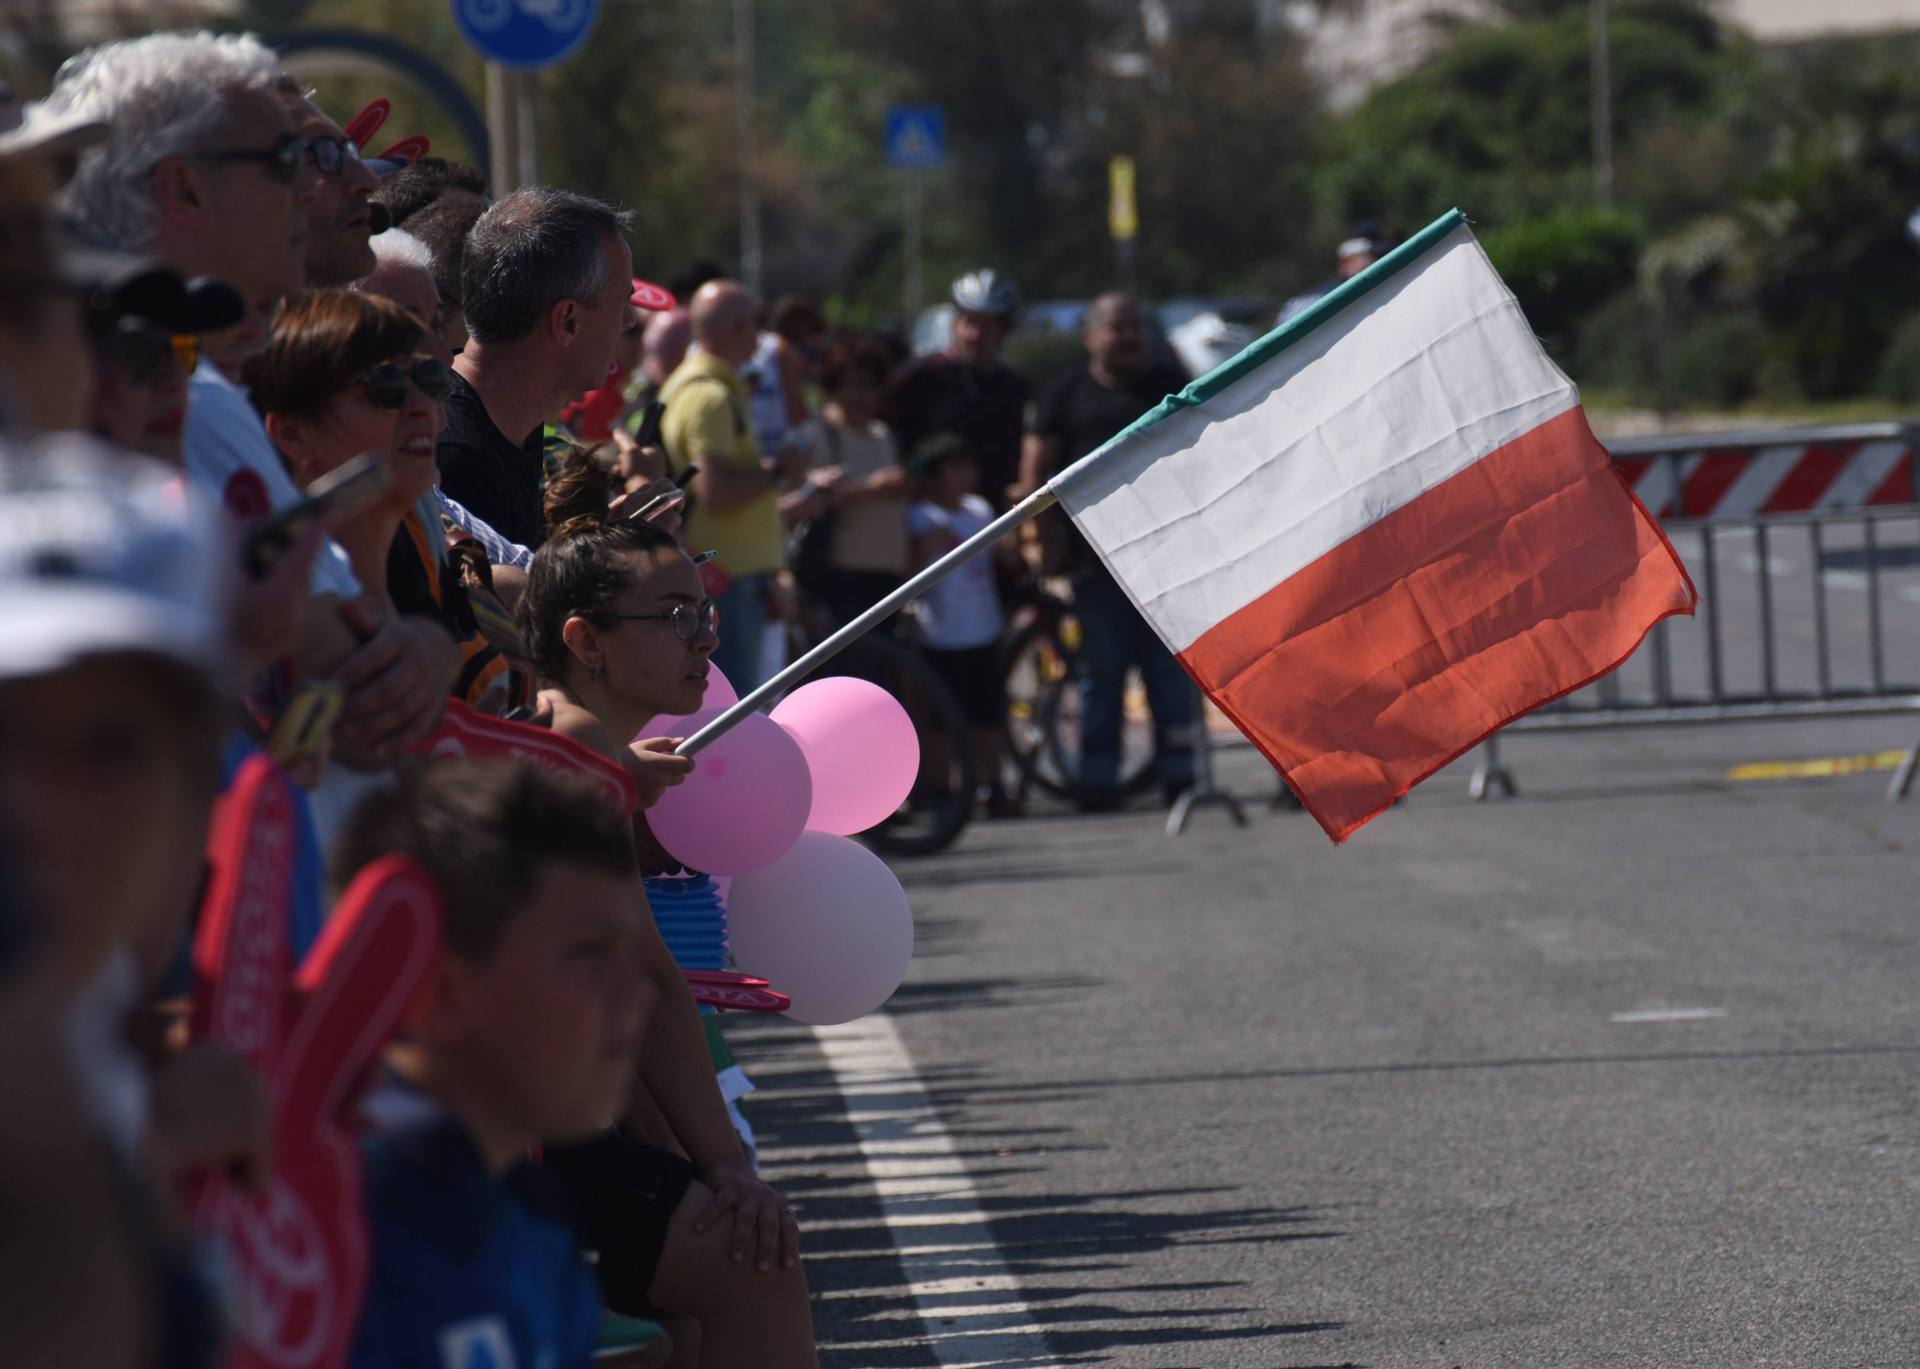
x,y
1718,362
1899,376
1615,349
1563,266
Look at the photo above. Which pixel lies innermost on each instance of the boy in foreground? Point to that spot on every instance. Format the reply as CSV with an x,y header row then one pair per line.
x,y
526,1036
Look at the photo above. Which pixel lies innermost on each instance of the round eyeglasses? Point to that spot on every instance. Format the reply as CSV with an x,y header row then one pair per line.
x,y
331,155
689,619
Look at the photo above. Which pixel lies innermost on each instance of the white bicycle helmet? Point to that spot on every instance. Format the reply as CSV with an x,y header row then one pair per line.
x,y
986,291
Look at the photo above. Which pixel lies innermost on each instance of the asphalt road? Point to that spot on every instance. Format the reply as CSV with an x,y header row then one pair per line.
x,y
1625,1071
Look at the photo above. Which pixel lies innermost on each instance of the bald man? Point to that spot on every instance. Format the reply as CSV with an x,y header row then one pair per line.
x,y
664,345
736,492
1120,382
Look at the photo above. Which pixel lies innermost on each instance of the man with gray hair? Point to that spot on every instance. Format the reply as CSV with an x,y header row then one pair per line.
x,y
206,171
545,284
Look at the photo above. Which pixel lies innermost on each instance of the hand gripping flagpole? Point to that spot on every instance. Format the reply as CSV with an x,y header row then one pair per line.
x,y
1025,511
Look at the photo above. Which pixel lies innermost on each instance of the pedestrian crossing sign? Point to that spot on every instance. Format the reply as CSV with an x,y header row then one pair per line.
x,y
916,137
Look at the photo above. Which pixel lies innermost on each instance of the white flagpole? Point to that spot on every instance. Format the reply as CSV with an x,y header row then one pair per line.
x,y
1025,511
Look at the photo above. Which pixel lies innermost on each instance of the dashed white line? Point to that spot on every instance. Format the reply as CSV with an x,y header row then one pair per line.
x,y
908,1154
1668,1015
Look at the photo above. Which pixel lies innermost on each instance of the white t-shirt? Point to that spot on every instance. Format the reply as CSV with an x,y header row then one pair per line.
x,y
766,400
963,610
231,458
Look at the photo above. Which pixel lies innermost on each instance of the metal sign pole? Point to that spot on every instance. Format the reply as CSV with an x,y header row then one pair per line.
x,y
743,54
526,93
503,129
913,236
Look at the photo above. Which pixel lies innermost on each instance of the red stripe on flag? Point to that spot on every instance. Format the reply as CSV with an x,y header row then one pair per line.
x,y
1712,478
1531,573
1812,474
1897,488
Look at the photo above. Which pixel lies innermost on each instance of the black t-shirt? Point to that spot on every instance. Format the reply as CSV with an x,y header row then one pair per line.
x,y
486,471
938,394
1080,413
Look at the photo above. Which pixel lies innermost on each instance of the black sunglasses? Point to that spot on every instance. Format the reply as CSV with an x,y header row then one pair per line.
x,y
331,154
688,619
282,159
386,384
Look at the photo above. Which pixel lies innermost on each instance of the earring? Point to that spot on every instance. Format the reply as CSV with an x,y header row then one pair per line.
x,y
595,669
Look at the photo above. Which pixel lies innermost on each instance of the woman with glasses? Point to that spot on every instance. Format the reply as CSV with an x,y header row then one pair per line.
x,y
345,374
620,631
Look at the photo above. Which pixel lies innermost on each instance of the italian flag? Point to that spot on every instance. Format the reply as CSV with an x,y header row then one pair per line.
x,y
1382,532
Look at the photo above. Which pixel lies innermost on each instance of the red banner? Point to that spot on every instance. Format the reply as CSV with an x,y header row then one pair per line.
x,y
463,732
296,1246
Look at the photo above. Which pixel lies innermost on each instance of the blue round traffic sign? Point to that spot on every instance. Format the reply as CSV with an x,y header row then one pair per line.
x,y
525,33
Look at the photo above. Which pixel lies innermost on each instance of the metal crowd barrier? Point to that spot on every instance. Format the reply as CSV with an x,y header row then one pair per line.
x,y
1805,546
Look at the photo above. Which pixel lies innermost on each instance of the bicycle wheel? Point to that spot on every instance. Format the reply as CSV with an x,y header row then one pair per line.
x,y
1061,725
1037,664
942,801
1043,713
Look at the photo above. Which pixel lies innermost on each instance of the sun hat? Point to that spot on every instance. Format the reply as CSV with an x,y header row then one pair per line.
x,y
103,553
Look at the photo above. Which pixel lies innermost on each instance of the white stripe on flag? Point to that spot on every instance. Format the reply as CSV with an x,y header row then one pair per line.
x,y
1413,383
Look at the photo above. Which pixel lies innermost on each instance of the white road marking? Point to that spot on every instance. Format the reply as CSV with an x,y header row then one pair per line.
x,y
1668,1015
909,1154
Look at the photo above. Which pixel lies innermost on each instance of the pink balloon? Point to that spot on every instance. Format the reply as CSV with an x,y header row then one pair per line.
x,y
720,690
745,803
827,924
860,746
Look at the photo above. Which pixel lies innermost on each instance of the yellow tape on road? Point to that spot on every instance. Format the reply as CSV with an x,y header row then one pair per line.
x,y
1819,767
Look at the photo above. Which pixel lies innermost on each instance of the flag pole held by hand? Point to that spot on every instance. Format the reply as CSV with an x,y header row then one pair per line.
x,y
1025,511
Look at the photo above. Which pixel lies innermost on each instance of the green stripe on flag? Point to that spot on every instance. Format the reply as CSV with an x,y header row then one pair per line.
x,y
1258,354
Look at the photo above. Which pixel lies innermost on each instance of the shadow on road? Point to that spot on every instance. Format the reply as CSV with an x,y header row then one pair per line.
x,y
1084,1262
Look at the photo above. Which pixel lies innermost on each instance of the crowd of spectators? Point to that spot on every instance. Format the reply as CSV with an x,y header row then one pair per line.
x,y
213,309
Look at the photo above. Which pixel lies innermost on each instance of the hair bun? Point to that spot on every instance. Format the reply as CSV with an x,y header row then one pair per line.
x,y
578,495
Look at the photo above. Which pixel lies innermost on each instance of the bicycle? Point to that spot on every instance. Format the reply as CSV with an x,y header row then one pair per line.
x,y
1043,703
941,804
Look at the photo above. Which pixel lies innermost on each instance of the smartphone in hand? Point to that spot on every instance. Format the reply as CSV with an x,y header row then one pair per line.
x,y
334,495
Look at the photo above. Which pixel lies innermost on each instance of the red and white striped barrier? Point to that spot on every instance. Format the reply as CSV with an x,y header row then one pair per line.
x,y
1728,477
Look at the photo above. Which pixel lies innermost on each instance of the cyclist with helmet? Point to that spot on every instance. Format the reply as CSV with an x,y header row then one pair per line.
x,y
967,389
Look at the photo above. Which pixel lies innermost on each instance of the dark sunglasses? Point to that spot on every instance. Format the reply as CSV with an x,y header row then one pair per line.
x,y
331,154
139,348
688,620
282,159
386,384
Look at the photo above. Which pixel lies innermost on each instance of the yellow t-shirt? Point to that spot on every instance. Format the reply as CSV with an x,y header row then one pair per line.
x,y
707,420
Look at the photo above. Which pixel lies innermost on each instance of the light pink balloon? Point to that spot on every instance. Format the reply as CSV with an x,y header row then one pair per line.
x,y
827,924
860,745
745,802
720,690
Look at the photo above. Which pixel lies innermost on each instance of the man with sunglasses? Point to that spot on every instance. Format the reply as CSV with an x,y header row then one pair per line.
x,y
341,219
207,171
